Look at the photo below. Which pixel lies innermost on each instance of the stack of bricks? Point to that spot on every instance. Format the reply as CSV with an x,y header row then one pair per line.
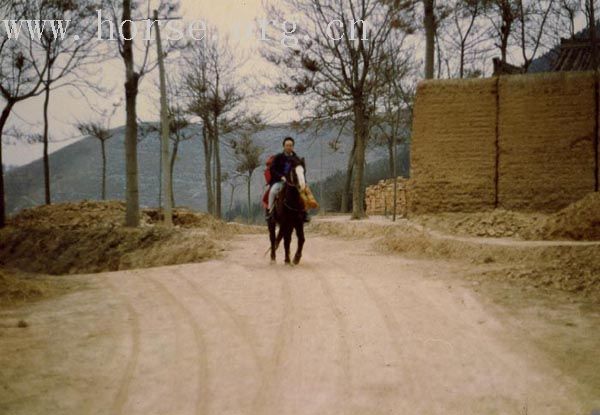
x,y
380,197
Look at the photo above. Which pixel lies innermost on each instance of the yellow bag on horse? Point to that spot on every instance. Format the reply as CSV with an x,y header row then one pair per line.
x,y
308,199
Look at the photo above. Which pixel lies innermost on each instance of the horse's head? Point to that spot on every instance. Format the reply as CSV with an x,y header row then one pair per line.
x,y
298,172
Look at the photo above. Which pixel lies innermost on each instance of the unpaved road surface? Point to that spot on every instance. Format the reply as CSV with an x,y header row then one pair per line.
x,y
348,331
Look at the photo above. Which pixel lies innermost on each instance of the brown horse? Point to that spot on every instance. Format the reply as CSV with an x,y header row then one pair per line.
x,y
289,213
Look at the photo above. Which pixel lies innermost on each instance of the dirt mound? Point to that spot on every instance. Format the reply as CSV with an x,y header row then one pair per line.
x,y
578,221
184,218
105,213
493,223
567,266
72,214
89,237
17,287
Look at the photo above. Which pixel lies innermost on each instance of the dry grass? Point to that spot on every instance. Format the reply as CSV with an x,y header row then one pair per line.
x,y
89,237
569,267
18,287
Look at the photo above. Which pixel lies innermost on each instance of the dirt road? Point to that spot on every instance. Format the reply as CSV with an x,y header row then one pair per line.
x,y
349,331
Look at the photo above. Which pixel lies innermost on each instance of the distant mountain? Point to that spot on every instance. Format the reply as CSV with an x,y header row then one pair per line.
x,y
77,168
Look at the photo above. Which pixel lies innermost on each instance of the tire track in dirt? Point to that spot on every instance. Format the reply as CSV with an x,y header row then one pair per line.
x,y
392,325
488,367
203,376
236,320
345,382
386,310
284,336
132,362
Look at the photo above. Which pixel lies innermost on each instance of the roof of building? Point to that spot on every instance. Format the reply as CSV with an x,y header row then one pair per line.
x,y
575,55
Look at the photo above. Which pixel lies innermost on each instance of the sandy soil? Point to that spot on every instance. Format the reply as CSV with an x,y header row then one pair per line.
x,y
349,331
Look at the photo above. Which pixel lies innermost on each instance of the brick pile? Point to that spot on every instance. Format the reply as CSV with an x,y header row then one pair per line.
x,y
380,197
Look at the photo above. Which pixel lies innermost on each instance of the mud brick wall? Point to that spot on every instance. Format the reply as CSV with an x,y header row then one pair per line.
x,y
380,197
546,142
522,142
453,146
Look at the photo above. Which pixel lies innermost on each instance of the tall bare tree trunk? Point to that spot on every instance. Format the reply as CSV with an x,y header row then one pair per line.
x,y
206,141
345,208
172,169
394,175
593,41
218,174
249,198
429,23
132,214
3,118
593,34
390,147
45,136
505,29
462,60
231,198
360,137
103,169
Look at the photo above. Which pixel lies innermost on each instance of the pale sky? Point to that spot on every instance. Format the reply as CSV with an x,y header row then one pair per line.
x,y
68,107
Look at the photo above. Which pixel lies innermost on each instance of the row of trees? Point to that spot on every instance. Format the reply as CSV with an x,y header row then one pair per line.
x,y
33,66
464,35
355,65
207,89
358,61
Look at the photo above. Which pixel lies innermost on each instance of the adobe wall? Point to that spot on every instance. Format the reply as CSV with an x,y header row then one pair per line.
x,y
546,135
523,142
453,145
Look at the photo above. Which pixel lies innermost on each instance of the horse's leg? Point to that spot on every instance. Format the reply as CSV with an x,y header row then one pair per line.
x,y
273,239
279,238
300,236
287,239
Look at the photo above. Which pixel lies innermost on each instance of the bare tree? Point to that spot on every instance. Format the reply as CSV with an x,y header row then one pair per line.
x,y
568,10
21,77
590,11
216,97
232,179
247,154
466,34
391,124
122,15
532,20
178,127
429,25
503,14
66,59
102,133
331,65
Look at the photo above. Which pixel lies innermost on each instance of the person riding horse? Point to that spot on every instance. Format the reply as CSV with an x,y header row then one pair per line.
x,y
281,166
289,210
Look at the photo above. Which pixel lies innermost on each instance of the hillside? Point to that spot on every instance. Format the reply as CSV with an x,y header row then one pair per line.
x,y
76,169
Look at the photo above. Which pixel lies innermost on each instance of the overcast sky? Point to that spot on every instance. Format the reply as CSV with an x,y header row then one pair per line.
x,y
67,106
